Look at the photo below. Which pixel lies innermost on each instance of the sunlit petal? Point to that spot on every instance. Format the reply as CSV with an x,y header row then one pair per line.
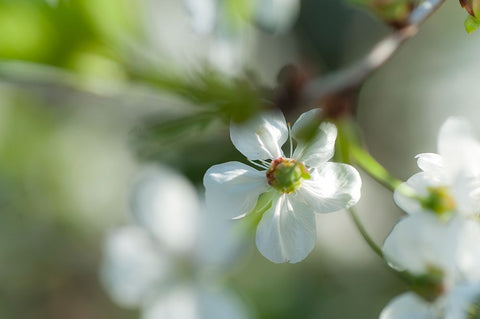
x,y
232,188
422,241
430,163
286,232
320,148
332,187
459,148
260,137
468,250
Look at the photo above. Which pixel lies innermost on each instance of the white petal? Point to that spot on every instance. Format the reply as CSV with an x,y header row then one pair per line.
x,y
419,183
305,122
461,300
318,149
421,241
459,148
408,306
466,191
190,302
277,15
287,231
179,303
260,137
220,242
333,186
430,163
468,250
132,266
232,188
167,205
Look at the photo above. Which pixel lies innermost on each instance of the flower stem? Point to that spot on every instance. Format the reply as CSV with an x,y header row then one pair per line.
x,y
373,168
376,249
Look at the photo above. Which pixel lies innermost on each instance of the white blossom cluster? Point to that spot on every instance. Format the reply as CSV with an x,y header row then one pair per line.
x,y
170,261
437,244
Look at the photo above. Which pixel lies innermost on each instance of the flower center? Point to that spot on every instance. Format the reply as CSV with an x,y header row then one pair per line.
x,y
439,200
286,175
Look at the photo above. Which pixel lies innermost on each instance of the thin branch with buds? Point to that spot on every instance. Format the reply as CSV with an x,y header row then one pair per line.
x,y
354,76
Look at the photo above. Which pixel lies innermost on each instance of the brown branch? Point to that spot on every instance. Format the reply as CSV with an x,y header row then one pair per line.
x,y
352,77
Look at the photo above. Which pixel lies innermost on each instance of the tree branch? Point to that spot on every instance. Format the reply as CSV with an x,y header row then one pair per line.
x,y
352,77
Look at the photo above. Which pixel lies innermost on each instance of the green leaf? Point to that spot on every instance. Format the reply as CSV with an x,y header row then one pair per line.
x,y
471,24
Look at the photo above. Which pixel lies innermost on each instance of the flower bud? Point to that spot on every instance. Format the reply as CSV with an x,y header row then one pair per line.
x,y
473,20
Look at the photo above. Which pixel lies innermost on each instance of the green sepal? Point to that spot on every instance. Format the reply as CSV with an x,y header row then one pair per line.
x,y
428,286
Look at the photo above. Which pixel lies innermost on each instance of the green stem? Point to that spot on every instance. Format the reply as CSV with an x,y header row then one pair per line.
x,y
373,168
376,249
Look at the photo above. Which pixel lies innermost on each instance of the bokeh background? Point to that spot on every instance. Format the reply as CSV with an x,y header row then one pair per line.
x,y
90,90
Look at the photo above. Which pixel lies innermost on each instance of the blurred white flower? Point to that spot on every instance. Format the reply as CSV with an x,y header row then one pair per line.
x,y
450,180
297,187
229,22
462,302
425,245
224,16
169,263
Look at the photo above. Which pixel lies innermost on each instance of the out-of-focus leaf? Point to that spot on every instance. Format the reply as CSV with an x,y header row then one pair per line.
x,y
231,99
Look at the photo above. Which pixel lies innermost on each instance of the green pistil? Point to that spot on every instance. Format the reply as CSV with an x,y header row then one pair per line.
x,y
439,200
286,175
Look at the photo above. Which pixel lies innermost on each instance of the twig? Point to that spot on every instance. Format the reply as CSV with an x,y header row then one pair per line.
x,y
353,76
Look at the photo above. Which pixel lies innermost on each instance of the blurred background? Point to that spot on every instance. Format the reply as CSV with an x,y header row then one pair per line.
x,y
92,89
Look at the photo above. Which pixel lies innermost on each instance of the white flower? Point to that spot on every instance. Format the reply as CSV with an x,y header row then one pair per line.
x,y
299,186
423,244
462,302
167,264
450,180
